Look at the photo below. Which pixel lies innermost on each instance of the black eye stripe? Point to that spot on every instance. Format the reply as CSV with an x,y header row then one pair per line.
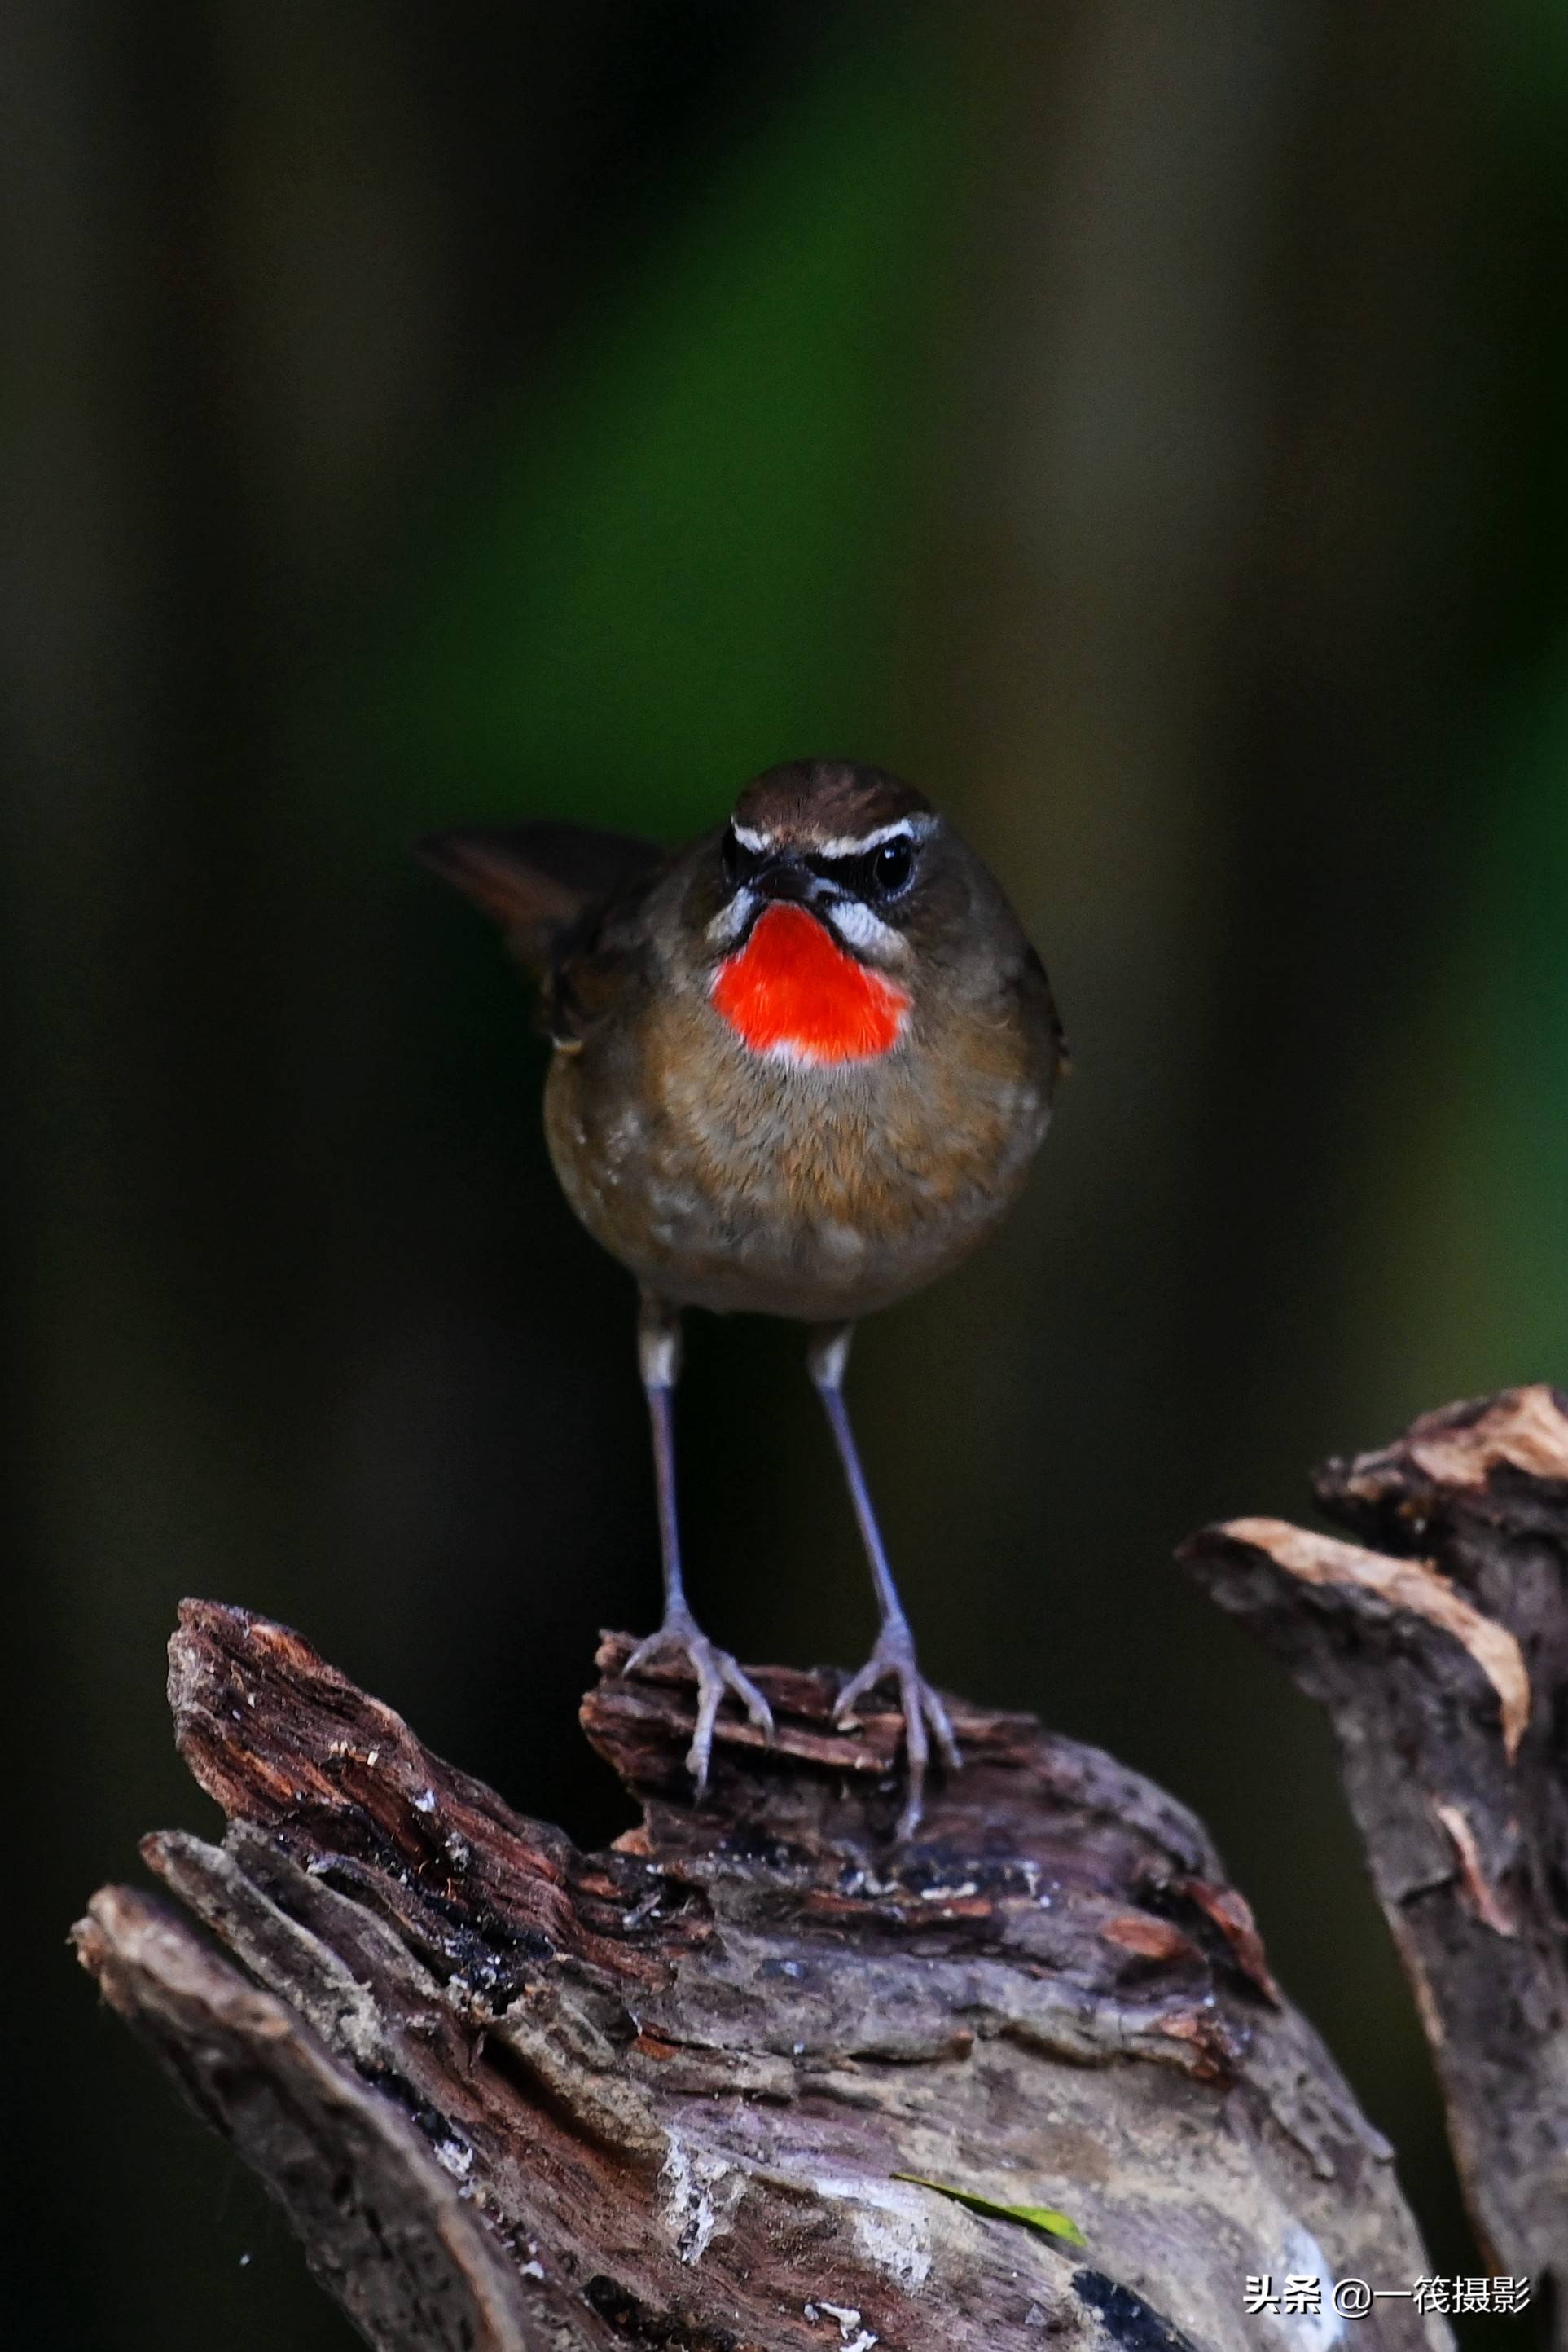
x,y
852,874
880,872
740,862
865,873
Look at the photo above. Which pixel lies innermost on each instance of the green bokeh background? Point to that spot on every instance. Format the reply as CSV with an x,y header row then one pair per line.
x,y
1142,427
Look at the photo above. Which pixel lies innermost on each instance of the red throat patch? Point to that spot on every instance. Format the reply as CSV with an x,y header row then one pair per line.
x,y
793,989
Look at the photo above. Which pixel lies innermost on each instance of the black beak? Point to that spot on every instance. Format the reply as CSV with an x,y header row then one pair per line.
x,y
787,883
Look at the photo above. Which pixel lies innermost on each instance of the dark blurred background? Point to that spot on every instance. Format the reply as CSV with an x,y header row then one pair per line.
x,y
1141,426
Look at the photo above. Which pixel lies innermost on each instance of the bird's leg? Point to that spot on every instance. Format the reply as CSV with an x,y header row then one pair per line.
x,y
659,1360
892,1658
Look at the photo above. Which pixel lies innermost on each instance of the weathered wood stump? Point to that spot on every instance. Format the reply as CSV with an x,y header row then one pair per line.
x,y
511,2094
1441,1654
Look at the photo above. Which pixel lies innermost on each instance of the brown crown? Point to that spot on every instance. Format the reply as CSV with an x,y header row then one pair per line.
x,y
824,800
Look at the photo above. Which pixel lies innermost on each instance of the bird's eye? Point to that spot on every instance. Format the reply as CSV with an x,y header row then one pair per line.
x,y
892,866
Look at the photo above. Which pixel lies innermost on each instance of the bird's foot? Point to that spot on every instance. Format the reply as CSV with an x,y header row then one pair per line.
x,y
716,1672
924,1716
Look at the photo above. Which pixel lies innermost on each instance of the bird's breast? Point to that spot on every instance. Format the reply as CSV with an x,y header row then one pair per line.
x,y
734,1174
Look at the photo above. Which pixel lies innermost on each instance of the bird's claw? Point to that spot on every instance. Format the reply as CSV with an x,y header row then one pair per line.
x,y
716,1672
893,1661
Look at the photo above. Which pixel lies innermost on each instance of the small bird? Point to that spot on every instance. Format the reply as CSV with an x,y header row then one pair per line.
x,y
800,1067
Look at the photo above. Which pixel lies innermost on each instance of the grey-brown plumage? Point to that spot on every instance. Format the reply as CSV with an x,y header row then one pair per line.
x,y
801,1067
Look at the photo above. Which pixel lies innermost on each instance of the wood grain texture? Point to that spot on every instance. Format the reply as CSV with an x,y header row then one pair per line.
x,y
1441,1655
513,2094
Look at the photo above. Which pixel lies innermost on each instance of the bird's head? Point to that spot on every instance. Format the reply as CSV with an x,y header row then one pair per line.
x,y
820,901
849,845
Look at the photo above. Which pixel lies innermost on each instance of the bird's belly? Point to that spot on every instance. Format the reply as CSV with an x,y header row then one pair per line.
x,y
818,1195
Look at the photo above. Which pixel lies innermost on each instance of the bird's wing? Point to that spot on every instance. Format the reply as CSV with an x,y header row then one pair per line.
x,y
540,881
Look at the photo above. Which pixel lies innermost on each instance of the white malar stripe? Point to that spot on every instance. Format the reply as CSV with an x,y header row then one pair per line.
x,y
859,928
854,921
731,919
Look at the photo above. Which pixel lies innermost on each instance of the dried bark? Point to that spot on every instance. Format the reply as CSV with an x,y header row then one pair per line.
x,y
1439,1643
511,2094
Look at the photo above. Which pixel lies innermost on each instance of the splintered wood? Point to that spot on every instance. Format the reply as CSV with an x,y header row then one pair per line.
x,y
692,2092
1438,1642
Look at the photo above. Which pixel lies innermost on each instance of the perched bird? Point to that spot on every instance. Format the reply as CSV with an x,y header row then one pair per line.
x,y
800,1067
